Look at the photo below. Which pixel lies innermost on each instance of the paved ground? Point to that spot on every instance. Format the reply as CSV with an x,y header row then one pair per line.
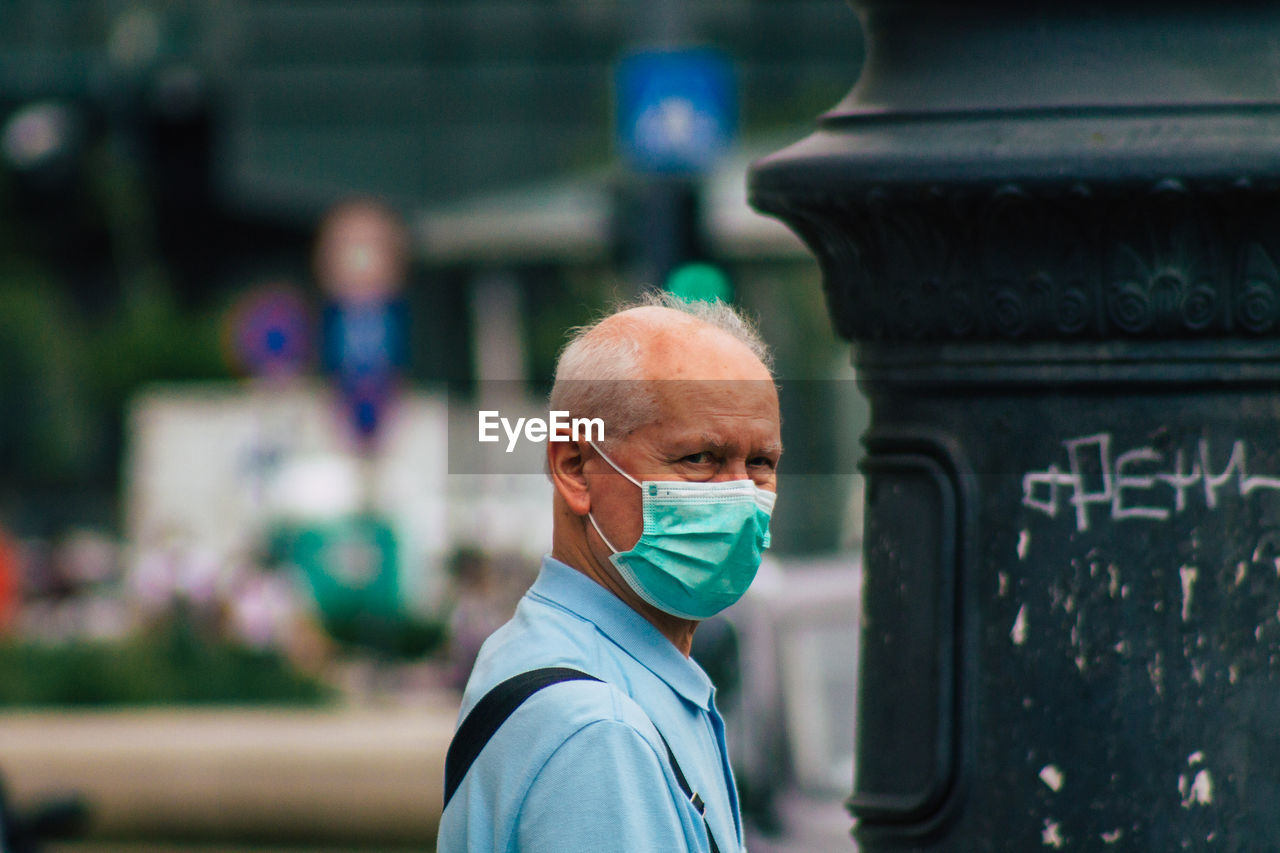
x,y
367,776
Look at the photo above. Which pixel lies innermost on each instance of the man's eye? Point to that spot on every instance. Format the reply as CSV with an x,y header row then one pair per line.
x,y
761,462
697,458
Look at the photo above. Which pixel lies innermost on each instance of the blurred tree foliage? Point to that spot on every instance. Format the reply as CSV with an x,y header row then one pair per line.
x,y
176,667
44,406
83,323
394,639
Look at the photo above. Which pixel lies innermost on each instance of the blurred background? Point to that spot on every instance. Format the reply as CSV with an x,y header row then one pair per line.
x,y
261,263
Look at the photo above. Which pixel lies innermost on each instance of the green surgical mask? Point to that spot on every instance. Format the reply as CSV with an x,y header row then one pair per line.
x,y
701,544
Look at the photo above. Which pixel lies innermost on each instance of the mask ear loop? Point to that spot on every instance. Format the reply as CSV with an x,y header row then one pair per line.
x,y
590,516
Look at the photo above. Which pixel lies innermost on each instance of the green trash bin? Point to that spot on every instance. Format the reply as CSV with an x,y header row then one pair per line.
x,y
352,567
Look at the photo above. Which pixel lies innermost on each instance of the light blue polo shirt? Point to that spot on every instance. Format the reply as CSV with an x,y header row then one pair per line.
x,y
579,766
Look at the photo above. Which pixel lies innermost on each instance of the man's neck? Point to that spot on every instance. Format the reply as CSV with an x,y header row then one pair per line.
x,y
678,631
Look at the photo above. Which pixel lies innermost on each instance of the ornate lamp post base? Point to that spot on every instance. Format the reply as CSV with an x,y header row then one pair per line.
x,y
1051,232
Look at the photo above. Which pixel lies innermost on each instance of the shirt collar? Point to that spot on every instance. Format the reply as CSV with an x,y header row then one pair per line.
x,y
571,590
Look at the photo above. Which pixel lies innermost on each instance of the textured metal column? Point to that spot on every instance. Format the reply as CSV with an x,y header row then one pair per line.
x,y
1051,232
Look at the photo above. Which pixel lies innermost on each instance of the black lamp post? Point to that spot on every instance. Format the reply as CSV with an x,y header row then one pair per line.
x,y
1051,232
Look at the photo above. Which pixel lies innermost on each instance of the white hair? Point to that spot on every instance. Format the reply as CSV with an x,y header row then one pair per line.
x,y
596,374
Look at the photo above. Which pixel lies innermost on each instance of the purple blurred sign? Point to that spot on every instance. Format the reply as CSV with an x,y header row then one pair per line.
x,y
270,331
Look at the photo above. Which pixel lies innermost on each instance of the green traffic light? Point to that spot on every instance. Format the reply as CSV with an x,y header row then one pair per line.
x,y
700,282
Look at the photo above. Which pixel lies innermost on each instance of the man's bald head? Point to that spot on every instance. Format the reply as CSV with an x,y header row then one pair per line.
x,y
605,369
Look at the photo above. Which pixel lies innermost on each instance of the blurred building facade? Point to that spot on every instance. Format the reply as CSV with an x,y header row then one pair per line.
x,y
417,102
462,97
177,152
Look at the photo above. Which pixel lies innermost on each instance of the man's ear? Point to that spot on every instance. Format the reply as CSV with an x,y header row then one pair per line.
x,y
565,461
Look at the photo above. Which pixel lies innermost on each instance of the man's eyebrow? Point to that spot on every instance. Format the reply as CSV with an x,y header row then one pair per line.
x,y
719,444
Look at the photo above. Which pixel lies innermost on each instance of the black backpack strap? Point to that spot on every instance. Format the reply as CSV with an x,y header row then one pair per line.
x,y
491,712
498,704
693,795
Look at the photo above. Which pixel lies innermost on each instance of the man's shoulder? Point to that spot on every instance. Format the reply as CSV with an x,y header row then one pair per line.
x,y
579,712
541,635
584,737
567,706
586,704
551,716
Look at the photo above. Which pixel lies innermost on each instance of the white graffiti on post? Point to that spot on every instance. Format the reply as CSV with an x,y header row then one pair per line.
x,y
1141,483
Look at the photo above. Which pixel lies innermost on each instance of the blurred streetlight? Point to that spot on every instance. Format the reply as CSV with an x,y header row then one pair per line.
x,y
42,142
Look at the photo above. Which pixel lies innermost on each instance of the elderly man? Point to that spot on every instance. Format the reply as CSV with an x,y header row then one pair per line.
x,y
614,743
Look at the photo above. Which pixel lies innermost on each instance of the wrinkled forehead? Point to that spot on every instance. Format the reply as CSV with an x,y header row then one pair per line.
x,y
733,399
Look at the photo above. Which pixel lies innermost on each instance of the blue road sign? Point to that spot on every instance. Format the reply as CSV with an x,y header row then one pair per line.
x,y
676,109
365,345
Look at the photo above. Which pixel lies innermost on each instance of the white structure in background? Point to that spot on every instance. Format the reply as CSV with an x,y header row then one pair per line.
x,y
216,465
